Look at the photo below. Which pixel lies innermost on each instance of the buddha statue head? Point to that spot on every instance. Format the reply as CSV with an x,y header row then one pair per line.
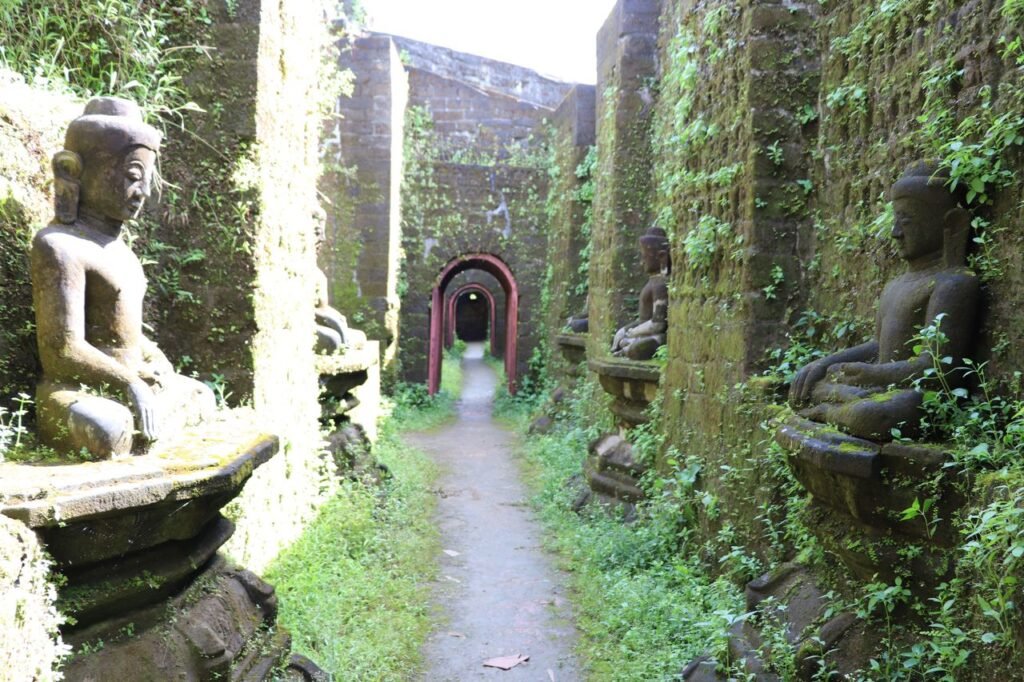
x,y
654,251
107,165
930,220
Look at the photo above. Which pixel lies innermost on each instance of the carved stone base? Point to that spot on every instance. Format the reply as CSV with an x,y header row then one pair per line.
x,y
146,595
632,385
861,490
874,483
612,473
220,628
791,602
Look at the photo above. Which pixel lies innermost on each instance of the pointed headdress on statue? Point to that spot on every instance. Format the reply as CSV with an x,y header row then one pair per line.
x,y
930,182
109,128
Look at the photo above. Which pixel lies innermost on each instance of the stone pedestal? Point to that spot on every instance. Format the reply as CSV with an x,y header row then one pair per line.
x,y
861,490
789,600
611,470
136,540
633,385
574,351
350,387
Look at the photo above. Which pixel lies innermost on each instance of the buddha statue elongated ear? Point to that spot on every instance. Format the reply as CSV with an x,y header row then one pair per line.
x,y
67,172
955,237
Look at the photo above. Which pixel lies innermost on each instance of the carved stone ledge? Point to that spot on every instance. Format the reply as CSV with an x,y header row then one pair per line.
x,y
632,384
574,349
89,512
873,483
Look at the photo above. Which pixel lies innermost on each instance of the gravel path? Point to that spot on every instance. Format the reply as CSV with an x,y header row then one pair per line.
x,y
498,593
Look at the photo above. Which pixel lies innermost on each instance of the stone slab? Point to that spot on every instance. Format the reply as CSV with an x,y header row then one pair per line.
x,y
93,511
829,450
626,369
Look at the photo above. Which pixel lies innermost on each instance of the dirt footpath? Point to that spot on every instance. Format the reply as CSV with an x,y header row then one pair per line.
x,y
498,593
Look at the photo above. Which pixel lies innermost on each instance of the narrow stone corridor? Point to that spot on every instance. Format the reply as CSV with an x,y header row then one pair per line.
x,y
498,593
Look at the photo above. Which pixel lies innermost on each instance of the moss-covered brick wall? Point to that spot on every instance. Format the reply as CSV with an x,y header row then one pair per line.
x,y
731,154
626,70
32,125
451,222
362,157
569,202
919,79
231,291
475,181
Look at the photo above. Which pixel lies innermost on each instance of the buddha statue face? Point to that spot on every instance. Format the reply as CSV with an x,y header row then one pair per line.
x,y
106,168
917,227
117,187
654,253
926,214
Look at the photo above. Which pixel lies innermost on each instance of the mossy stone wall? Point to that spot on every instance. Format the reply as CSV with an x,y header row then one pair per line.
x,y
454,223
244,186
573,135
32,125
626,70
730,152
475,181
30,647
362,156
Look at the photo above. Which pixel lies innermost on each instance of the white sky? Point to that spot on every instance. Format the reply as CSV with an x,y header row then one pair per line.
x,y
556,37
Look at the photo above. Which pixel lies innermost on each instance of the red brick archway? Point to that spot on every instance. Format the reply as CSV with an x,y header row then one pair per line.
x,y
495,266
452,307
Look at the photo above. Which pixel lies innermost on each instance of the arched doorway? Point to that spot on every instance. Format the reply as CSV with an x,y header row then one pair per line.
x,y
496,267
451,313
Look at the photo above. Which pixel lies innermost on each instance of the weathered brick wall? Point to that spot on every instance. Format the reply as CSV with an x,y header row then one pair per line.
x,y
473,125
475,182
626,68
362,160
454,223
243,305
569,216
481,73
729,151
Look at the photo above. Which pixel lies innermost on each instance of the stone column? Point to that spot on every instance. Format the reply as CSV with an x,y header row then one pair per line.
x,y
626,67
363,156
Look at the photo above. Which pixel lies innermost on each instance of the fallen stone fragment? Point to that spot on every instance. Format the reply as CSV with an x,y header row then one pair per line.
x,y
506,662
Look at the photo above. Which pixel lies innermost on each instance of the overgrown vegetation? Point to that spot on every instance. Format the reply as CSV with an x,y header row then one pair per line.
x,y
353,589
104,47
645,605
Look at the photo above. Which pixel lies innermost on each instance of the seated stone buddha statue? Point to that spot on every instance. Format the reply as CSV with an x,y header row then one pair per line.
x,y
639,339
332,330
869,390
103,381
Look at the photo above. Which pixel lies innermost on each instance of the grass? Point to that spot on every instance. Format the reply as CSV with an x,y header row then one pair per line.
x,y
645,606
354,590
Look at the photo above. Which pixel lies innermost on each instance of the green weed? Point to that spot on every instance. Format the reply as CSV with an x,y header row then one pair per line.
x,y
353,589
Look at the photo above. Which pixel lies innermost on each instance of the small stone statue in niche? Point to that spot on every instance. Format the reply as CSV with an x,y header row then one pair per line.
x,y
867,390
332,330
103,381
580,322
639,339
